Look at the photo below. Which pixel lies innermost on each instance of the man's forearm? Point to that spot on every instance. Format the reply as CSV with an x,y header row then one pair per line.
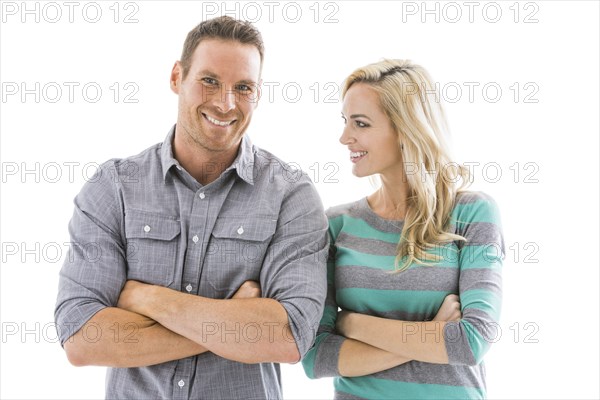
x,y
118,338
245,330
359,359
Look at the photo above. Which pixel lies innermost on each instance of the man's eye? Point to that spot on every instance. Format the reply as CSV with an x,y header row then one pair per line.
x,y
244,88
210,81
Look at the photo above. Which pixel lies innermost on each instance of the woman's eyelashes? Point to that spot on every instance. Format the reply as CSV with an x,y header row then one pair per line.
x,y
358,123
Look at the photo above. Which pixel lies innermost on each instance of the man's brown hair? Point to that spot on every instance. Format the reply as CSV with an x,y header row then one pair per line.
x,y
225,28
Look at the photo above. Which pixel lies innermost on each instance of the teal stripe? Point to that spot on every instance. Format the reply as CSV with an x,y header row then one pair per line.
x,y
373,388
412,301
329,316
480,256
359,228
483,300
479,211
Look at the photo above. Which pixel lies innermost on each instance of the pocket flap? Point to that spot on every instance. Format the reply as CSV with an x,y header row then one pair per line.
x,y
245,228
143,225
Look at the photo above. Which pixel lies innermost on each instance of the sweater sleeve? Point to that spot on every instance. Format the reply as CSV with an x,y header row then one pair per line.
x,y
477,219
322,358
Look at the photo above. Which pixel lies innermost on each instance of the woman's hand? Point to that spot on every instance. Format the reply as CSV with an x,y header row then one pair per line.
x,y
343,323
450,309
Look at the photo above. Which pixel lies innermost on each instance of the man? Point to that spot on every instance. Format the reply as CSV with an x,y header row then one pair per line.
x,y
175,246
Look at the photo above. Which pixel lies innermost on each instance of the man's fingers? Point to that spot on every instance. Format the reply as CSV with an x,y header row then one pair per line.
x,y
248,289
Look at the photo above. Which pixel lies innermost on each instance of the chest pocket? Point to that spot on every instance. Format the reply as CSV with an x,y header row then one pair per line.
x,y
152,247
236,251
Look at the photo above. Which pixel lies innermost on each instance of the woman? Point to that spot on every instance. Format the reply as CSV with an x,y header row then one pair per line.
x,y
400,256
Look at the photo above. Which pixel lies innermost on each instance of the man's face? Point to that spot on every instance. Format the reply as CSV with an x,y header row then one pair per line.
x,y
218,95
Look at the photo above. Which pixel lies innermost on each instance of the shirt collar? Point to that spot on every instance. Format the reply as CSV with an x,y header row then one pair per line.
x,y
243,163
166,153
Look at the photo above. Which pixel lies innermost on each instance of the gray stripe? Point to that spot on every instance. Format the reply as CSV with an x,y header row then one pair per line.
x,y
341,209
364,212
326,361
325,329
471,197
482,233
457,344
481,278
345,396
419,278
368,246
435,374
360,209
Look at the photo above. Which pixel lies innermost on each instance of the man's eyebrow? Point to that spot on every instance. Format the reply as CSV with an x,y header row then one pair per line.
x,y
248,82
208,73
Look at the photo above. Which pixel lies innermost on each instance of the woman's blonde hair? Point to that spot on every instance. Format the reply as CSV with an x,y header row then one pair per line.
x,y
405,92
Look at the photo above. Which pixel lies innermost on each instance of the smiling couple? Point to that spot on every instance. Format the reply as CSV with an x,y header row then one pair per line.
x,y
215,275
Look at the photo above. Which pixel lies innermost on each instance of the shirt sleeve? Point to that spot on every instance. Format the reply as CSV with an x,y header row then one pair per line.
x,y
294,272
322,358
480,284
94,271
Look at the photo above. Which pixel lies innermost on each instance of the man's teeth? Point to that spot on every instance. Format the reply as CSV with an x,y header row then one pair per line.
x,y
355,154
217,122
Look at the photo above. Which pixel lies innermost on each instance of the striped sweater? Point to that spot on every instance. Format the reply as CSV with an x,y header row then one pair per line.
x,y
363,248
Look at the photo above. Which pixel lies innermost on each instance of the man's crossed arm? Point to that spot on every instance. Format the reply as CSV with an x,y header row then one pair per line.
x,y
154,324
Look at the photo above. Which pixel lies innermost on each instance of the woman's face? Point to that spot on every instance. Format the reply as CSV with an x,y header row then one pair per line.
x,y
368,134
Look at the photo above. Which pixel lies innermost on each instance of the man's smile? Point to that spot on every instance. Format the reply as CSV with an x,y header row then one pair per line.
x,y
218,122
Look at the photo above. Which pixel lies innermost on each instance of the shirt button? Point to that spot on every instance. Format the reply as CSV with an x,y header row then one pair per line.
x,y
181,383
195,239
240,230
189,287
201,195
147,229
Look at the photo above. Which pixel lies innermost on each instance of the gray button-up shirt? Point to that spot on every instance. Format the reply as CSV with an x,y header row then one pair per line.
x,y
145,218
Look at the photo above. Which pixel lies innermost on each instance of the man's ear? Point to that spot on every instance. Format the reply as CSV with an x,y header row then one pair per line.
x,y
258,92
176,76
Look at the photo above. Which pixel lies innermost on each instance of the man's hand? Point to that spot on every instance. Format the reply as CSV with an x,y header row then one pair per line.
x,y
248,290
133,296
450,309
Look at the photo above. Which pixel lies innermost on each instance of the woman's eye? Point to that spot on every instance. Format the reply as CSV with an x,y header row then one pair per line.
x,y
361,124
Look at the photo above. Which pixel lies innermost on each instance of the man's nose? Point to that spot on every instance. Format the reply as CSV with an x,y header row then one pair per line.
x,y
226,100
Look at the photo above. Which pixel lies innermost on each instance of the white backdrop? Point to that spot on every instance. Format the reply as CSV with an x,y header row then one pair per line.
x,y
83,82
